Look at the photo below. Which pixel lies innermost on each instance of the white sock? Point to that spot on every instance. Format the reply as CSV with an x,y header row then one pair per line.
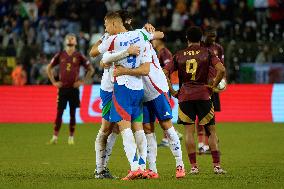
x,y
200,144
152,151
141,142
175,145
54,137
100,147
109,145
205,147
130,148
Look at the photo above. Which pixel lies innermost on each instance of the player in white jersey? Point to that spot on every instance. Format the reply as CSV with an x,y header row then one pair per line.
x,y
128,92
103,148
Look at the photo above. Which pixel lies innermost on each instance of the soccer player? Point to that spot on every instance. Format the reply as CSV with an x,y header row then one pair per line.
x,y
209,42
108,132
126,109
193,65
165,57
69,62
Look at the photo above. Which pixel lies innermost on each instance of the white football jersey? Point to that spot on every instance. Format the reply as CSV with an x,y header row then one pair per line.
x,y
121,42
106,83
156,82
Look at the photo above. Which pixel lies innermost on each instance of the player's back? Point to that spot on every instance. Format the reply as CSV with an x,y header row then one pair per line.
x,y
122,41
193,67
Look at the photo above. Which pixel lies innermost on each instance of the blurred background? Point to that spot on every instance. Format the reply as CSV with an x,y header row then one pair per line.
x,y
250,31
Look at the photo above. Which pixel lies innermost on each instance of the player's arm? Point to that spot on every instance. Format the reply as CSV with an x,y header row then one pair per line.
x,y
110,57
168,70
98,47
142,70
54,61
94,52
90,72
219,67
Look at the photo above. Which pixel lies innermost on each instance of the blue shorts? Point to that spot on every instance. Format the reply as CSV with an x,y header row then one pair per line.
x,y
106,100
126,104
158,108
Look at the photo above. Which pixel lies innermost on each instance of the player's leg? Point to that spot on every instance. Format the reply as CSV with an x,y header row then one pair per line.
x,y
121,113
162,110
137,126
207,118
151,149
101,144
61,105
149,127
213,143
72,125
74,102
100,147
187,116
109,145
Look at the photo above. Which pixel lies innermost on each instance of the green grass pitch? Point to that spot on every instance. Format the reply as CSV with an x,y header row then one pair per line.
x,y
252,153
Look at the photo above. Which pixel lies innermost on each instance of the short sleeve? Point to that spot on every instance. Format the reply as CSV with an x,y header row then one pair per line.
x,y
214,59
146,54
172,66
165,58
221,54
146,35
107,45
55,60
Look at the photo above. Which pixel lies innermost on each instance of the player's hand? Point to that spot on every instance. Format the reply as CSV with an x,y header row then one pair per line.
x,y
78,83
119,70
57,84
149,28
107,66
174,93
133,50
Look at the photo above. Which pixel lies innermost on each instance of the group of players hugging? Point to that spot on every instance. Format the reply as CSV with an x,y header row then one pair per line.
x,y
135,92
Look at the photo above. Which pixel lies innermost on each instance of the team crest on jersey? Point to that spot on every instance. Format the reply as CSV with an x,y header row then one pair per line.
x,y
215,52
74,59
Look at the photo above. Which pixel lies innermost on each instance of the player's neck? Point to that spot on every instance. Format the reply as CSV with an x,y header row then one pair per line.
x,y
121,30
70,50
160,47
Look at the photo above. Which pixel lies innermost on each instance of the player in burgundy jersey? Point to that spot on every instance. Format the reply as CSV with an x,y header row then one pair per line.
x,y
165,56
209,42
69,62
194,94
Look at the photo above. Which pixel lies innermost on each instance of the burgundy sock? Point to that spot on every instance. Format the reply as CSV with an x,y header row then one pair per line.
x,y
58,122
215,157
72,121
192,159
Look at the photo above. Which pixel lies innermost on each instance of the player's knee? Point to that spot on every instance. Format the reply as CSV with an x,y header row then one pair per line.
x,y
148,128
207,129
166,124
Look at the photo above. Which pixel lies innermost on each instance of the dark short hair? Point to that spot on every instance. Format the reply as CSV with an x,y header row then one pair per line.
x,y
125,16
194,34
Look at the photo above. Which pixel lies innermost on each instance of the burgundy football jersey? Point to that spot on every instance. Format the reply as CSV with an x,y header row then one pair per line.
x,y
69,67
165,57
193,65
218,50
